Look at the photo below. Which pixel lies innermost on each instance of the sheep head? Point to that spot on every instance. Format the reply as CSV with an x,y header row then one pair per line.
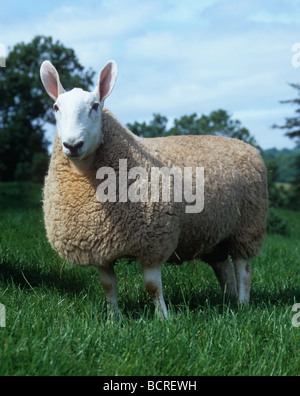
x,y
78,112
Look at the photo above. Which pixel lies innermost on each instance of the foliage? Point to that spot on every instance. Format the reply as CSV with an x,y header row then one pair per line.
x,y
285,163
295,187
276,224
156,127
292,124
25,107
278,194
218,122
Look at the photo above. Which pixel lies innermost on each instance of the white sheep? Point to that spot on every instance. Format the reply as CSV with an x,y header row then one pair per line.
x,y
87,231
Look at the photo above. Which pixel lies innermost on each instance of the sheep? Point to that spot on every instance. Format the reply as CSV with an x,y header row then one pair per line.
x,y
226,234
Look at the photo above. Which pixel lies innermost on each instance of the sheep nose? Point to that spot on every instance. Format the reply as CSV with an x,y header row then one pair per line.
x,y
73,147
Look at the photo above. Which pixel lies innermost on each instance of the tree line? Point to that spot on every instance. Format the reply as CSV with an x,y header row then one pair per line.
x,y
25,109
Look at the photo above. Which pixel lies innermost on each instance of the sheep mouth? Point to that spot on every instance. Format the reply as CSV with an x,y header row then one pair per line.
x,y
73,155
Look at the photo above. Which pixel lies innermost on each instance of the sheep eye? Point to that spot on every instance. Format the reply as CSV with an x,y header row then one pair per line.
x,y
55,107
95,106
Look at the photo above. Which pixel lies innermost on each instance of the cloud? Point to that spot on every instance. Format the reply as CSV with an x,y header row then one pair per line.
x,y
105,20
177,57
186,14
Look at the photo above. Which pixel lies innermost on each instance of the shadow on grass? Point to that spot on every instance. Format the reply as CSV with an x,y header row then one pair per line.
x,y
35,280
215,298
280,297
211,300
79,281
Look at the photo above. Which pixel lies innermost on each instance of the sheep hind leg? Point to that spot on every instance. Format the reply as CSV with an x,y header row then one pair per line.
x,y
224,272
153,285
109,283
243,273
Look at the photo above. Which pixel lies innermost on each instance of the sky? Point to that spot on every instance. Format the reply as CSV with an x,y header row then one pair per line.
x,y
179,57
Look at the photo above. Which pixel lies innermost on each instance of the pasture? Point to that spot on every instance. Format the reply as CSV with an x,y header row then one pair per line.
x,y
57,322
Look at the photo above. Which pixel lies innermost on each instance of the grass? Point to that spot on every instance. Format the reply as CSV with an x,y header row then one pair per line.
x,y
57,322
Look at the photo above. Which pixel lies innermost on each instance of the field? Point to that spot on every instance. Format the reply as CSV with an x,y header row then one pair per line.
x,y
57,322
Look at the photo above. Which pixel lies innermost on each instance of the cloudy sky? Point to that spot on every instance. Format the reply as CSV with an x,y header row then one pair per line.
x,y
177,57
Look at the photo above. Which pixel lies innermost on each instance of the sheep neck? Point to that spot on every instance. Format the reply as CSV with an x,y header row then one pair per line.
x,y
82,167
117,140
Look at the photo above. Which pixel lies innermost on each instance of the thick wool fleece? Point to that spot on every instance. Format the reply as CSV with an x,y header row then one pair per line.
x,y
87,232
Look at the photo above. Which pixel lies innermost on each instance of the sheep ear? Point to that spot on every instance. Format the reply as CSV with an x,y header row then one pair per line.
x,y
50,80
107,79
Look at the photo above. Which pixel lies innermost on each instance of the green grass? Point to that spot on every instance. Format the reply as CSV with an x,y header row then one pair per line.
x,y
57,323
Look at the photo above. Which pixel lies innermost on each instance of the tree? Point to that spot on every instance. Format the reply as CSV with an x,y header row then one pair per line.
x,y
25,108
295,187
292,124
156,128
218,122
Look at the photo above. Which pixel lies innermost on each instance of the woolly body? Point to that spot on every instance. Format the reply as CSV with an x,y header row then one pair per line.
x,y
88,232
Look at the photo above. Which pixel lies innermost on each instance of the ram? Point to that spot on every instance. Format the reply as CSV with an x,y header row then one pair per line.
x,y
89,231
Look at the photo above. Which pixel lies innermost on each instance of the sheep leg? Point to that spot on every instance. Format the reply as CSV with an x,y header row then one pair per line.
x,y
109,283
153,285
243,273
224,272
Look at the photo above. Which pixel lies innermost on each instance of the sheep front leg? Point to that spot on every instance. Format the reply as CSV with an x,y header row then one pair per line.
x,y
109,283
243,274
153,285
